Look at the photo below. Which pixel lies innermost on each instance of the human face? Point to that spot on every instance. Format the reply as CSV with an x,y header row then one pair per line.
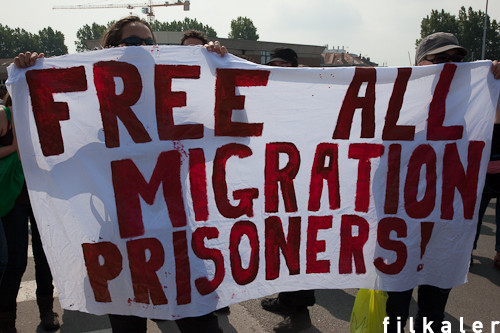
x,y
452,55
280,64
192,42
136,29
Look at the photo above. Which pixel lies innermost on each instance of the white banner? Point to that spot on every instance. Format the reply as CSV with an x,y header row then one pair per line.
x,y
168,181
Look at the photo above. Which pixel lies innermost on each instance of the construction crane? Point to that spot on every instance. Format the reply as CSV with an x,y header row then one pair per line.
x,y
147,8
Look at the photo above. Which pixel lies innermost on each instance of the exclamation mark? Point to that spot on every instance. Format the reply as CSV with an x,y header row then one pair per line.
x,y
425,232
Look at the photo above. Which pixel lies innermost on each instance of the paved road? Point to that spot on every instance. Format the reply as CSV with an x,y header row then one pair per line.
x,y
478,300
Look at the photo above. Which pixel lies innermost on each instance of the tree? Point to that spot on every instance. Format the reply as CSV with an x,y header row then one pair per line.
x,y
468,28
243,28
471,25
438,21
15,40
186,24
87,32
51,42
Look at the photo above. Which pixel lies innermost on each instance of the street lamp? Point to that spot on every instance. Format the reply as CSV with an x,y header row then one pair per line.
x,y
484,32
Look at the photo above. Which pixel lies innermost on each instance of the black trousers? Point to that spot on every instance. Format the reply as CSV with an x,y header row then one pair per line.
x,y
485,200
3,251
132,324
297,300
16,232
431,303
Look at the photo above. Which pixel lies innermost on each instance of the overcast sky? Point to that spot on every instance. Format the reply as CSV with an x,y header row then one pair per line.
x,y
383,30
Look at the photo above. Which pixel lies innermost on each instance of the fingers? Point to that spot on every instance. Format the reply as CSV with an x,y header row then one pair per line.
x,y
216,47
23,60
223,51
19,60
33,59
28,59
495,68
220,49
210,46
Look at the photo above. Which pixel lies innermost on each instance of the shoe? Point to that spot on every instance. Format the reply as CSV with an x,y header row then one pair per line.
x,y
295,322
49,321
48,318
274,305
496,261
8,322
224,311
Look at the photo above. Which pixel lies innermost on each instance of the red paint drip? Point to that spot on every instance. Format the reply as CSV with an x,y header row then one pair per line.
x,y
425,233
180,148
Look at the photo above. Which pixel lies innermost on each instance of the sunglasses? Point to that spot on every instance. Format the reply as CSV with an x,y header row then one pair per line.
x,y
445,57
134,41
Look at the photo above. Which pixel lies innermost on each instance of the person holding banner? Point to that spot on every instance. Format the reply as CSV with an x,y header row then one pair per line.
x,y
128,32
193,38
492,190
3,240
133,31
283,57
293,304
15,212
437,48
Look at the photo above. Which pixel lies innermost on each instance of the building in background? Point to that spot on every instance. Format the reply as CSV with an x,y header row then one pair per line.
x,y
339,57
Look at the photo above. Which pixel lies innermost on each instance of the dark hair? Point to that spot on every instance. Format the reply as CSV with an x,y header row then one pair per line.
x,y
194,34
3,90
114,33
284,54
7,101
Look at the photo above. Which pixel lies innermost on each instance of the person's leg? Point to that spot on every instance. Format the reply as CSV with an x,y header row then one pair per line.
x,y
208,322
431,304
127,324
497,221
397,308
43,277
485,200
15,225
3,251
298,299
496,260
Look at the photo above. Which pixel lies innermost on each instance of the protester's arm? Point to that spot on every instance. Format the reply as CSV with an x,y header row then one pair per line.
x,y
4,127
7,150
27,59
495,68
216,47
4,122
497,115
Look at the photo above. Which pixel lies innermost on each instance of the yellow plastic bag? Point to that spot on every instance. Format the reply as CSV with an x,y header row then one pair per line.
x,y
368,311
